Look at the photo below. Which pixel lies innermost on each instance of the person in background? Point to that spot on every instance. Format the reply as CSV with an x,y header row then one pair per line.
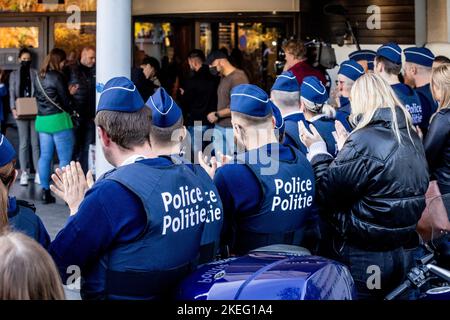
x,y
3,93
439,61
252,187
437,142
221,117
285,94
198,99
365,58
82,74
388,64
370,198
27,272
151,69
21,85
297,62
417,73
317,112
54,122
18,215
349,72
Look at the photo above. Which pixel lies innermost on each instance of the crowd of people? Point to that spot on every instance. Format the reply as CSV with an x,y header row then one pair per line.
x,y
348,183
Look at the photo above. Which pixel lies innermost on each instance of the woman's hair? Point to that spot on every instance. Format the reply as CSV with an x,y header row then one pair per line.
x,y
325,109
24,51
441,80
296,48
53,61
154,63
27,272
7,174
370,93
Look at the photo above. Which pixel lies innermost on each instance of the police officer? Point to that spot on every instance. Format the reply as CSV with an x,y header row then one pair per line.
x,y
349,72
285,94
365,58
318,113
388,64
20,215
418,69
268,191
138,230
167,139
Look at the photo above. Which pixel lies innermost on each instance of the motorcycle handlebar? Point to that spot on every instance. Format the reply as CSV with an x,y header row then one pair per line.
x,y
400,290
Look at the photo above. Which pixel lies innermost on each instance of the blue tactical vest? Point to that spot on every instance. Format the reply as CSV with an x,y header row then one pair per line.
x,y
292,135
413,103
24,219
425,91
184,212
326,126
344,112
288,197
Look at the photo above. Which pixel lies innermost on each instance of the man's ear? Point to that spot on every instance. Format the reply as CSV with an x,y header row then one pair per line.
x,y
104,138
183,134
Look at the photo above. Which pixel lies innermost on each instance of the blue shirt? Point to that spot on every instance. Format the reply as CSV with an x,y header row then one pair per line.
x,y
109,215
240,190
344,112
24,220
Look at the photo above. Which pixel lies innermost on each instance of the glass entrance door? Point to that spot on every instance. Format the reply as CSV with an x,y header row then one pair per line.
x,y
16,33
73,40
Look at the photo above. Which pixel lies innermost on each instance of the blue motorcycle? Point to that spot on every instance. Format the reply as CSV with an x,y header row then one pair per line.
x,y
273,273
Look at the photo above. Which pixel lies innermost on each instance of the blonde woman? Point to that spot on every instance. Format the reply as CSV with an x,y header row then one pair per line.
x,y
373,194
27,272
437,142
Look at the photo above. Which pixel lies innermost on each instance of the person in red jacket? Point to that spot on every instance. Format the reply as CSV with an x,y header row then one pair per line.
x,y
296,62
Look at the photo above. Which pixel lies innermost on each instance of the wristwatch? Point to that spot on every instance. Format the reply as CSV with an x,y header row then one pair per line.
x,y
217,115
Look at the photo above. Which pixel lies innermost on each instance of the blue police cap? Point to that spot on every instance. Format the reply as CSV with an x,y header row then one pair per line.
x,y
420,56
366,55
314,91
286,82
250,100
7,152
165,112
279,121
351,69
392,52
120,95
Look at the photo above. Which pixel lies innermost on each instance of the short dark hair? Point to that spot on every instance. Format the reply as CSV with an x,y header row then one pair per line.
x,y
389,66
152,62
442,59
197,54
127,130
24,51
164,135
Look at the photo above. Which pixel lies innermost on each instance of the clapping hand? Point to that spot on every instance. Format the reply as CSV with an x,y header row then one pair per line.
x,y
341,135
309,138
71,185
210,167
